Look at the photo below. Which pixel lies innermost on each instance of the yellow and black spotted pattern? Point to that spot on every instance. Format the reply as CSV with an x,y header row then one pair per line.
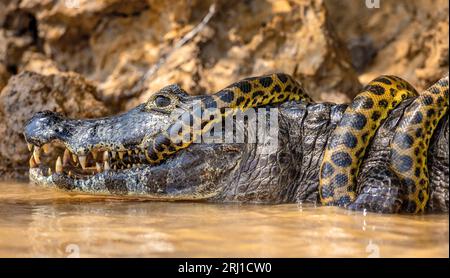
x,y
247,93
409,147
347,145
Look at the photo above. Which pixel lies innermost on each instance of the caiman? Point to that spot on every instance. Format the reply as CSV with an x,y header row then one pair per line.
x,y
386,151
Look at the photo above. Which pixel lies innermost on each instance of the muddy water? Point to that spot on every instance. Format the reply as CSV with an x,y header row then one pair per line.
x,y
40,222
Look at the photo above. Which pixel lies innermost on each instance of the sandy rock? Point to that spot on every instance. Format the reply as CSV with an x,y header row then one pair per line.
x,y
252,39
18,33
12,47
114,44
4,76
242,39
38,62
28,93
404,38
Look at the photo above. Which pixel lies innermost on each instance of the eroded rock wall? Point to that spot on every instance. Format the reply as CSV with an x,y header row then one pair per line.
x,y
405,38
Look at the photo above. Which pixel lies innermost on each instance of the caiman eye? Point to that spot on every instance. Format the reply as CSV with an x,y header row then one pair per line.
x,y
162,101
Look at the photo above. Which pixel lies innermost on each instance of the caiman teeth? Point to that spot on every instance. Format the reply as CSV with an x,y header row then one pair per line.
x,y
36,154
106,165
105,156
67,162
82,159
46,149
98,167
66,157
32,162
121,153
58,165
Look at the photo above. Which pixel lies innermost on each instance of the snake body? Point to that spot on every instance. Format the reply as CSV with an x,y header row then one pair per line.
x,y
248,93
348,142
411,141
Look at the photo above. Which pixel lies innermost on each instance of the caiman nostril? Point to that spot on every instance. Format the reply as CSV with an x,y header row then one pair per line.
x,y
43,127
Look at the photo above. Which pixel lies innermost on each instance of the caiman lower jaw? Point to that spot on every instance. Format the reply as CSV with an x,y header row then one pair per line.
x,y
55,158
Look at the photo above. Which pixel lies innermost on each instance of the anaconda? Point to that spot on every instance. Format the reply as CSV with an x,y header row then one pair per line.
x,y
325,151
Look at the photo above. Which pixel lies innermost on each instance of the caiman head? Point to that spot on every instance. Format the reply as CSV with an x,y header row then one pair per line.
x,y
108,155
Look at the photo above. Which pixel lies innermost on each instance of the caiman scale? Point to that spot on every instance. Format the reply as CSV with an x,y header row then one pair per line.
x,y
386,151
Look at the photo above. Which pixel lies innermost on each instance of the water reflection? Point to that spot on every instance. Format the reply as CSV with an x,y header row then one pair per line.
x,y
39,222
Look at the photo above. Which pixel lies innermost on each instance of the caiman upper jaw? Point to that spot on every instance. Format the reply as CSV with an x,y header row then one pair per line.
x,y
50,139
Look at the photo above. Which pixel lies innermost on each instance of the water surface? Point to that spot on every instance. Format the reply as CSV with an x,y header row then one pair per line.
x,y
42,222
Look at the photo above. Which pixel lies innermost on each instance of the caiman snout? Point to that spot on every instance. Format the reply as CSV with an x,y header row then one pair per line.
x,y
83,147
44,127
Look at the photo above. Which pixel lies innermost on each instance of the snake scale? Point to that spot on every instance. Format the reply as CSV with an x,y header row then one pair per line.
x,y
347,145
